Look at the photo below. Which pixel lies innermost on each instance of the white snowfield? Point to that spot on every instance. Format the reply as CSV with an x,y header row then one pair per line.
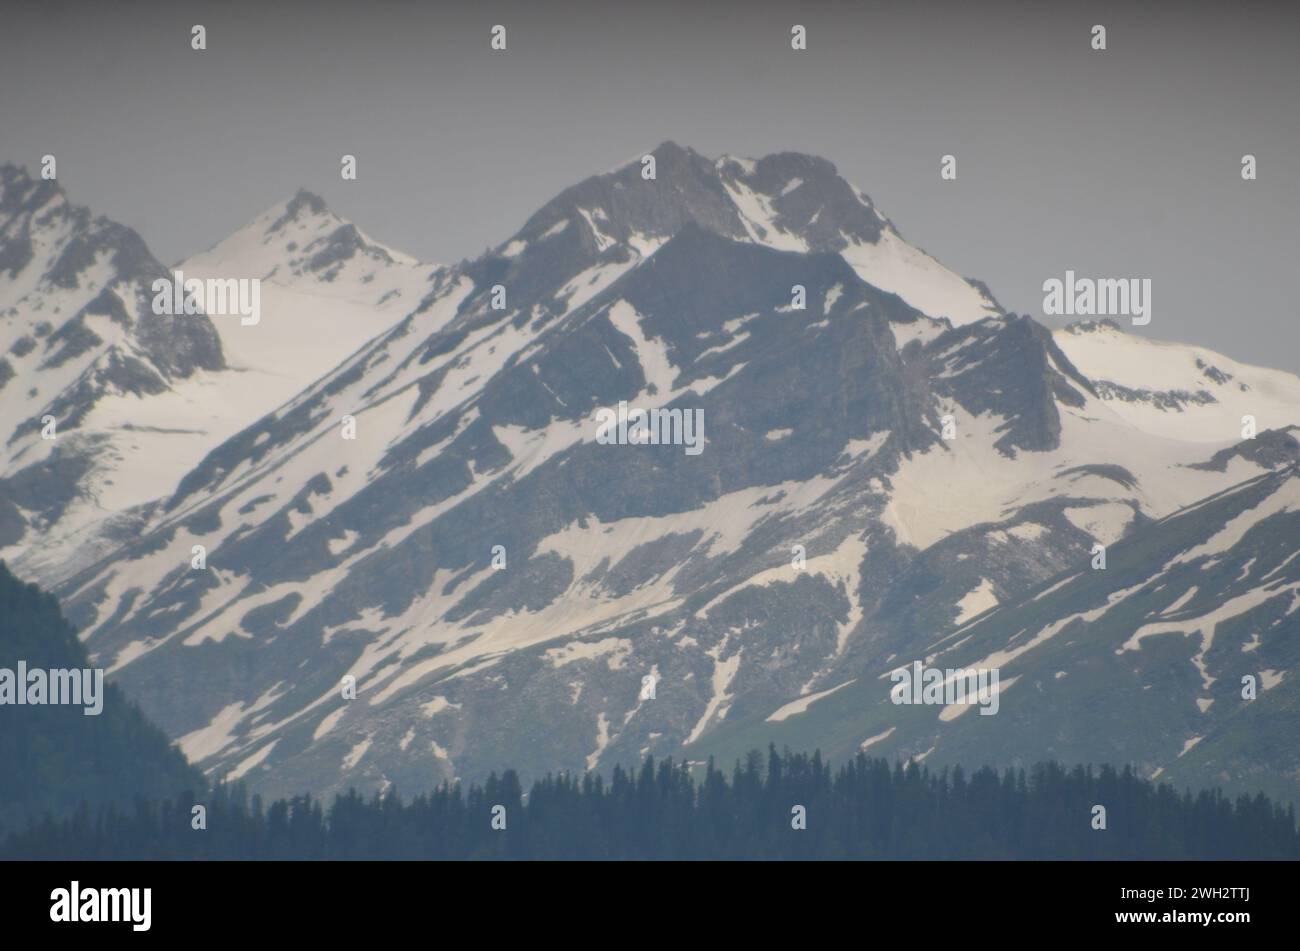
x,y
966,481
1103,352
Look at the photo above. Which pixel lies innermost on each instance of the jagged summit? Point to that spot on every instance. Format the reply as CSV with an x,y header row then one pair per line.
x,y
789,201
301,238
79,343
303,202
36,217
75,292
19,190
748,199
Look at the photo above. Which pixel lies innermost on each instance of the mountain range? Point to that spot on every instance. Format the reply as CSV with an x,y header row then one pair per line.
x,y
395,480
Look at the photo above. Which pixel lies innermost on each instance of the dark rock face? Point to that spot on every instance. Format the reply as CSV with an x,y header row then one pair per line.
x,y
304,202
811,199
1009,367
1271,449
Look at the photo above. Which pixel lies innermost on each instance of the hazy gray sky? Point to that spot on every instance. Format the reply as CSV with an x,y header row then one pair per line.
x,y
1123,163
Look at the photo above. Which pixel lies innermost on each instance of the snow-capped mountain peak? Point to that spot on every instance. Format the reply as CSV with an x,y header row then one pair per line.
x,y
301,239
788,201
139,397
326,288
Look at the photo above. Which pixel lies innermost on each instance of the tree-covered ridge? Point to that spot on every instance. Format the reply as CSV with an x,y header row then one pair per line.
x,y
867,809
53,757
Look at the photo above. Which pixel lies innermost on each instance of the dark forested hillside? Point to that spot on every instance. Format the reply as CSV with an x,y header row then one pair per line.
x,y
54,756
867,809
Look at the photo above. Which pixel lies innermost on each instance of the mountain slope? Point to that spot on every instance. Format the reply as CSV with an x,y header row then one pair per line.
x,y
1140,663
76,332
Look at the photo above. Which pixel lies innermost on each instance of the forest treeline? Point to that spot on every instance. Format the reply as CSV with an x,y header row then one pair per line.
x,y
865,809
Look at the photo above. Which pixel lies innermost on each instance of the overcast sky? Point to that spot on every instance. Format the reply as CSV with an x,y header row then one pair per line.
x,y
1122,163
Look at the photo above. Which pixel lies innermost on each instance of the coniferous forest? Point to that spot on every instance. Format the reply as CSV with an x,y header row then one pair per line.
x,y
53,758
866,809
